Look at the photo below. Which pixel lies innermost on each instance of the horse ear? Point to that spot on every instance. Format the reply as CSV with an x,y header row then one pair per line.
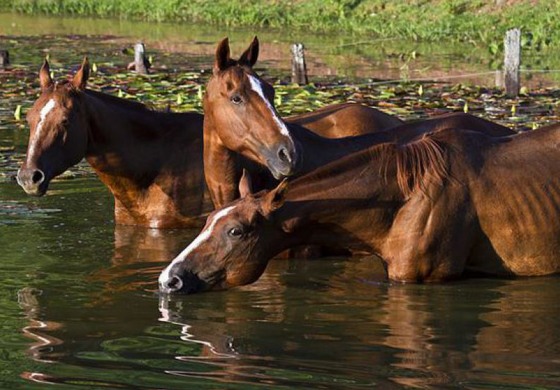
x,y
223,59
275,198
80,78
250,56
245,184
45,76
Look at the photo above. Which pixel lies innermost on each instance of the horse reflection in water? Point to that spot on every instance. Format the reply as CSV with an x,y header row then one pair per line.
x,y
415,336
392,335
37,328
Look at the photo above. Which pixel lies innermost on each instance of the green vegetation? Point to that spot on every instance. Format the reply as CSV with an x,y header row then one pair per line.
x,y
478,21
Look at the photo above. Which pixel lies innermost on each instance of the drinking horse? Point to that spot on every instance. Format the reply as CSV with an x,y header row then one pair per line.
x,y
431,209
241,123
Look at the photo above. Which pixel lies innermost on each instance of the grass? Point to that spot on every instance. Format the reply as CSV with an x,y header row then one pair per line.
x,y
479,21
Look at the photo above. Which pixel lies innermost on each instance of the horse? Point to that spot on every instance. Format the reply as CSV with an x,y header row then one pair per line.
x,y
241,123
436,208
151,161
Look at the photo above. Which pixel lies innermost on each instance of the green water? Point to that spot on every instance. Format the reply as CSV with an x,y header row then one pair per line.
x,y
79,306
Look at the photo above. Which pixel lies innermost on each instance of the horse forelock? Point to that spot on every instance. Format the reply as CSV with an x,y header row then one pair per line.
x,y
418,162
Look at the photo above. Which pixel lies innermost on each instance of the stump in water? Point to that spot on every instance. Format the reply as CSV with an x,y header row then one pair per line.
x,y
4,59
512,61
299,70
141,63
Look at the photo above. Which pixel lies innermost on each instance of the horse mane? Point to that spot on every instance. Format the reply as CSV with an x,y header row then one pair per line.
x,y
414,164
119,101
417,162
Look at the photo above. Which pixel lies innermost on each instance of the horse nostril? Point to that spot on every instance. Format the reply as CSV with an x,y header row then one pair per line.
x,y
38,177
174,284
283,155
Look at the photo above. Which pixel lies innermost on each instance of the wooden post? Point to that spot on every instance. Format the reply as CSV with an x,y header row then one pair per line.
x,y
4,59
499,78
512,61
299,70
141,64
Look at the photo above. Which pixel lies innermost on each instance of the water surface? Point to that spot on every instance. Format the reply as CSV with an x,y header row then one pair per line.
x,y
79,307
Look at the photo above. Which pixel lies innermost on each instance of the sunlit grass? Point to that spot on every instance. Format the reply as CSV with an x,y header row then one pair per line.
x,y
477,21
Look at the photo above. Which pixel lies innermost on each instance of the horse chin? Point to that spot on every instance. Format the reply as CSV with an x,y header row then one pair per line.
x,y
279,172
37,191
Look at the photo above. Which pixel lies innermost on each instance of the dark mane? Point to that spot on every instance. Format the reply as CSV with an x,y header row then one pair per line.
x,y
119,101
416,162
419,161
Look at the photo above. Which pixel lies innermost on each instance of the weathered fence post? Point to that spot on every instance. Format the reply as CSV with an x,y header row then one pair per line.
x,y
512,61
141,64
499,75
299,70
4,58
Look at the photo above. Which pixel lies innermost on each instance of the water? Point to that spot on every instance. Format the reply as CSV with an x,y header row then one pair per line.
x,y
79,306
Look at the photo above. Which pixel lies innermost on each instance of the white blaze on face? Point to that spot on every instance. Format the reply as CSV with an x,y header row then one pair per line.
x,y
202,237
47,108
257,87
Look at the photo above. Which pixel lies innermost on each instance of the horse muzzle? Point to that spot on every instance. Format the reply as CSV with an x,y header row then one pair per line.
x,y
281,161
184,283
33,181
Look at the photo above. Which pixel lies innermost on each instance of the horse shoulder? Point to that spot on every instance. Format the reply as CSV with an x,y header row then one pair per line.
x,y
431,235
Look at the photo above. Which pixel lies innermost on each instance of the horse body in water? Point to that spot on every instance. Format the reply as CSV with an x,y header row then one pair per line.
x,y
432,208
242,124
151,161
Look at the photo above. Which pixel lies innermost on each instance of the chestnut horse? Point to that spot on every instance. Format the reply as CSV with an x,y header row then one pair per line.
x,y
240,119
150,161
432,208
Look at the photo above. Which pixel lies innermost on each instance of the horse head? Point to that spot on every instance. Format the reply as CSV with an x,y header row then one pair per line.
x,y
234,247
58,136
240,114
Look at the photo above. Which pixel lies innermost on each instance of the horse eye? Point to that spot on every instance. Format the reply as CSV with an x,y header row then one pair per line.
x,y
235,232
236,99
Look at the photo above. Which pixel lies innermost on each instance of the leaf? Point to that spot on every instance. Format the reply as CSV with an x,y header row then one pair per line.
x,y
17,112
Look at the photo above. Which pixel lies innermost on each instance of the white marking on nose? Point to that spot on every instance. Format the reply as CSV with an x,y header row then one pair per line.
x,y
47,108
203,236
257,87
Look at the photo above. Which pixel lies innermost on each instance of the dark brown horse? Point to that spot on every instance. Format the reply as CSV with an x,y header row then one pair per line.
x,y
432,208
150,161
240,120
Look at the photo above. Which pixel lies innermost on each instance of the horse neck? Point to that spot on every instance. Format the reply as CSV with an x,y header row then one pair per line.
x,y
360,189
130,131
317,151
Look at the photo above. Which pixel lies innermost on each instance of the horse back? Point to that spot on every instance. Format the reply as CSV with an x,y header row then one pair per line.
x,y
515,190
345,120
